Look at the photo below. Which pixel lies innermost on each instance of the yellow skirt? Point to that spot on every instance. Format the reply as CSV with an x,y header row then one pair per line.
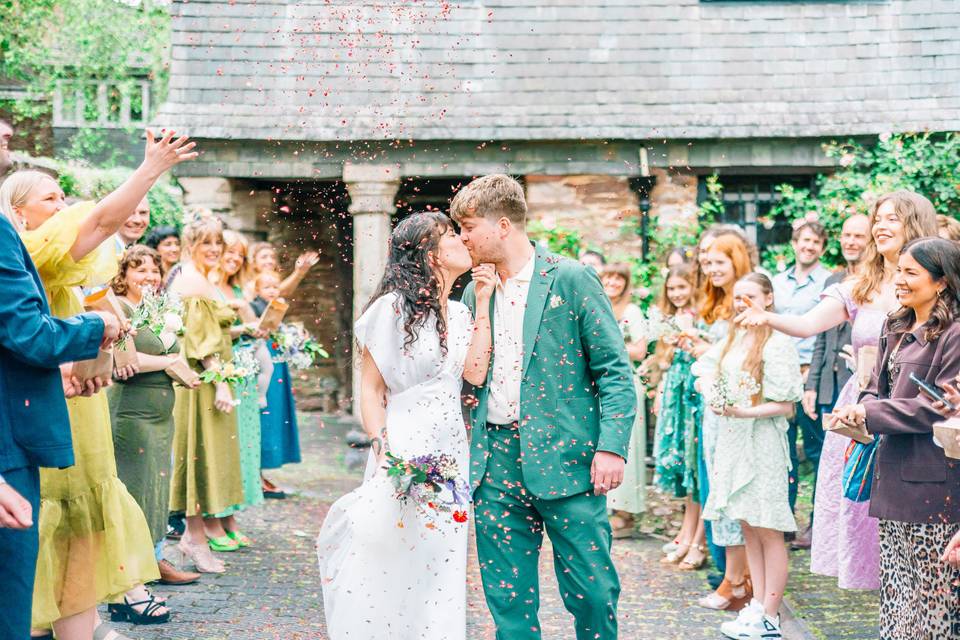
x,y
94,541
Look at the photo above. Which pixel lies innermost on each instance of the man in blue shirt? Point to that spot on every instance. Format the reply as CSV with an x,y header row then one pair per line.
x,y
796,291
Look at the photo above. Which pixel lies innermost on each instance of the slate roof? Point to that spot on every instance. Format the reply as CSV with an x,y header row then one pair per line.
x,y
561,69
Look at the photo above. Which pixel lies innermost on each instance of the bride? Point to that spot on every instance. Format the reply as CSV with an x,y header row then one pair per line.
x,y
394,569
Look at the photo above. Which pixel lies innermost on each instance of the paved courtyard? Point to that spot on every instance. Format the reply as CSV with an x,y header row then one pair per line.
x,y
271,590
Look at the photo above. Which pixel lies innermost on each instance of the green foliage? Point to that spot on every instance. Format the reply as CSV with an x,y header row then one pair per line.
x,y
923,162
561,240
44,43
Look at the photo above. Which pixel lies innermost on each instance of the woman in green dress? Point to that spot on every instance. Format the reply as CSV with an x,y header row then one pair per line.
x,y
206,453
629,499
247,346
141,413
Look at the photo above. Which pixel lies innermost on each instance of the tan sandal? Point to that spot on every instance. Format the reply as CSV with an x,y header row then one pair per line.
x,y
698,561
677,555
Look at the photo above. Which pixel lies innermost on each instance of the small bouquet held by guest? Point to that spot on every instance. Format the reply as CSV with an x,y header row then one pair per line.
x,y
229,372
161,313
739,392
431,483
294,345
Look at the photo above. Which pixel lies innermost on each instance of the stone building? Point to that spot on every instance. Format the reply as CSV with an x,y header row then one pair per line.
x,y
321,121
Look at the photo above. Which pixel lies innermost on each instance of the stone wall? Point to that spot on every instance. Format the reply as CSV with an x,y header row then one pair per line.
x,y
606,209
316,219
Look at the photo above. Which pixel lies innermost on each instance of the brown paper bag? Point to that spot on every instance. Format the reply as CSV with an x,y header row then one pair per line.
x,y
181,373
866,361
126,355
854,433
99,367
947,433
104,300
273,315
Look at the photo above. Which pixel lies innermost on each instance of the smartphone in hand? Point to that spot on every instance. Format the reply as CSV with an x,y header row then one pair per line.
x,y
932,392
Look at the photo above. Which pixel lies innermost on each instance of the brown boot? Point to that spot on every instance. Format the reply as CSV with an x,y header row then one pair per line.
x,y
804,540
169,574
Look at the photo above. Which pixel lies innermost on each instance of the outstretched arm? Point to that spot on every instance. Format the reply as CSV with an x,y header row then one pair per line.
x,y
110,213
301,268
828,313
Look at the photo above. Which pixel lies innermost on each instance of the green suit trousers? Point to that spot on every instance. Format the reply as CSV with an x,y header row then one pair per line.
x,y
510,523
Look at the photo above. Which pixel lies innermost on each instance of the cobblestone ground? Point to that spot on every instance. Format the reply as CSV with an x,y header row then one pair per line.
x,y
271,590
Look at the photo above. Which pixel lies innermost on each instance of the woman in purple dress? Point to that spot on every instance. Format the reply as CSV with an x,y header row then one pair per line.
x,y
845,538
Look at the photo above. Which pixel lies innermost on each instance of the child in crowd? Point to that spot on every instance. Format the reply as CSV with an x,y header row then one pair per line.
x,y
678,407
752,381
266,286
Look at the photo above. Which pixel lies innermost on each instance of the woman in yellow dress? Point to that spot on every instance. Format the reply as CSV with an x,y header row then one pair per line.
x,y
206,474
94,540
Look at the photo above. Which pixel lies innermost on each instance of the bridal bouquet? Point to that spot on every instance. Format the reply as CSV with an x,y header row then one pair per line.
x,y
660,326
228,372
431,483
725,392
295,346
161,313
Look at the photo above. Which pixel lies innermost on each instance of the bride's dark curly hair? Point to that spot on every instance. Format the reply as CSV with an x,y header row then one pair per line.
x,y
411,275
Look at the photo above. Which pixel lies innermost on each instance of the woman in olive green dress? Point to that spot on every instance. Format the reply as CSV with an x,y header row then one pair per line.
x,y
206,454
141,406
247,343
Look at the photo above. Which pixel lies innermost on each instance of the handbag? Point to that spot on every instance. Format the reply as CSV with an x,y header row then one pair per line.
x,y
858,470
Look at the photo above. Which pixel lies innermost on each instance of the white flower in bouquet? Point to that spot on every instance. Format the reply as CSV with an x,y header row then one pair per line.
x,y
161,313
295,346
724,392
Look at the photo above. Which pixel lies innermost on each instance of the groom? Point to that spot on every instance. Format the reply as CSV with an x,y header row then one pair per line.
x,y
552,423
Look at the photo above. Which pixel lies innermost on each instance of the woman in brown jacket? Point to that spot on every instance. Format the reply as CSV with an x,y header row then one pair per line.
x,y
916,489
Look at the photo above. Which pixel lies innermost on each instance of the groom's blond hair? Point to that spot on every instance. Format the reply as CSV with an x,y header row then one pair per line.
x,y
493,197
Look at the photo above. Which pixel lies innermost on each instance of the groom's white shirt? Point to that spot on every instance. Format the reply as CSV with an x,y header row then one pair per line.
x,y
510,303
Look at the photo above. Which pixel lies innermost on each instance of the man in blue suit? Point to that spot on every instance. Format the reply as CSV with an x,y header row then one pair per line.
x,y
34,425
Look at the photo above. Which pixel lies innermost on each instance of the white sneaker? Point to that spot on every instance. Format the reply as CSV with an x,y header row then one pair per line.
x,y
748,616
766,628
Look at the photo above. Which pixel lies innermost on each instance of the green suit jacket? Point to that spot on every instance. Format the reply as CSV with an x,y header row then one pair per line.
x,y
577,395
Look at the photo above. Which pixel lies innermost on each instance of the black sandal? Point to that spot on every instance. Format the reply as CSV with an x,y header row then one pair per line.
x,y
127,613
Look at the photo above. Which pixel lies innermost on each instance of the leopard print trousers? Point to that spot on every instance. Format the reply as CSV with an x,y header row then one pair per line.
x,y
919,593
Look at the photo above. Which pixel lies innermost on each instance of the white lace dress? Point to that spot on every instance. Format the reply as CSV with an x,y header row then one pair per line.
x,y
387,572
749,480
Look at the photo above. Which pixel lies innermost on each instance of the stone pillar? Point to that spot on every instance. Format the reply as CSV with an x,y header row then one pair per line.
x,y
373,189
231,200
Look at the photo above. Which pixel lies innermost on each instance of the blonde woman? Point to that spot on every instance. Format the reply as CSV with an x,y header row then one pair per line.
x,y
206,456
629,499
94,541
251,394
845,538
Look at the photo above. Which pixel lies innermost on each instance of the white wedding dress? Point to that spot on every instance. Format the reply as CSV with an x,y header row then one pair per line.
x,y
385,574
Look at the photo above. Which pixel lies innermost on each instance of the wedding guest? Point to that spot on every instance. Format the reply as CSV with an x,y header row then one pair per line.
x,y
6,133
678,409
141,414
797,290
948,228
206,457
829,369
166,241
845,537
750,479
593,259
279,432
915,487
94,541
678,256
629,499
34,422
726,260
246,347
136,225
262,256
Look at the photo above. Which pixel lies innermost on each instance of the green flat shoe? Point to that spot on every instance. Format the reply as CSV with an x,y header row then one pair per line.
x,y
239,538
222,544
